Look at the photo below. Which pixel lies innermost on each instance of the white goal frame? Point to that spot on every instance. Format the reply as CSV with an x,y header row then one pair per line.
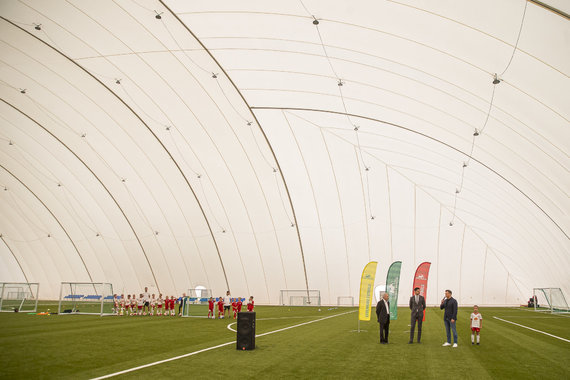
x,y
100,294
558,306
345,301
19,296
289,297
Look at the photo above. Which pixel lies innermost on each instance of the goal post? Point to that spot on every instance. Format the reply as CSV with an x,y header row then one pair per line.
x,y
345,301
550,299
289,297
95,298
19,296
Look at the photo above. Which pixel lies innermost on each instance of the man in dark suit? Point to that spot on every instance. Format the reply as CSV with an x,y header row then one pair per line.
x,y
383,314
417,306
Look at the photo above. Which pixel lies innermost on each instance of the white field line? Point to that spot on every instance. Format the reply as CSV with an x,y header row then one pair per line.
x,y
530,328
211,348
542,312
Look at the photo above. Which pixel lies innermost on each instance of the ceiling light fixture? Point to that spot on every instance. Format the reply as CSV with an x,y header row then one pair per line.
x,y
496,79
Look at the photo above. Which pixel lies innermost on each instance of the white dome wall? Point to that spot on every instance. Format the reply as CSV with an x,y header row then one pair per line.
x,y
211,146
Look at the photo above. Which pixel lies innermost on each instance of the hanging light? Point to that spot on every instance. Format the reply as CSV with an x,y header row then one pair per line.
x,y
38,27
158,15
315,21
496,79
476,133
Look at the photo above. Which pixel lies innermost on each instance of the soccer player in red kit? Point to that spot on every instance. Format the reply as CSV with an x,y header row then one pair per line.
x,y
250,304
211,312
234,307
172,302
166,305
239,303
221,307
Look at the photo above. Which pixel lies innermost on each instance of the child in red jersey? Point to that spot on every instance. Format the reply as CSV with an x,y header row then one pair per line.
x,y
166,305
234,307
172,303
250,304
211,313
221,307
239,303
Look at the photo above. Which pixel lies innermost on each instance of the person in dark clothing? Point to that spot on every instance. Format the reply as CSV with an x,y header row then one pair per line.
x,y
417,306
449,317
383,314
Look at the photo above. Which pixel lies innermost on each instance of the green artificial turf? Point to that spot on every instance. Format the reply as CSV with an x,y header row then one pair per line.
x,y
82,346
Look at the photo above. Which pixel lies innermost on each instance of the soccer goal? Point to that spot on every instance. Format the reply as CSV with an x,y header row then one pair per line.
x,y
550,300
193,307
19,296
300,298
94,298
345,301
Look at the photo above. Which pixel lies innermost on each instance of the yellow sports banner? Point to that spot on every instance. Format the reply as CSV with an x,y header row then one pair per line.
x,y
366,291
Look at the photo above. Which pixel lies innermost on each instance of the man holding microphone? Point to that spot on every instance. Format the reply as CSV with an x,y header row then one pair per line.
x,y
449,317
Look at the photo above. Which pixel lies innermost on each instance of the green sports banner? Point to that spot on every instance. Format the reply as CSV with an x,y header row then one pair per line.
x,y
392,286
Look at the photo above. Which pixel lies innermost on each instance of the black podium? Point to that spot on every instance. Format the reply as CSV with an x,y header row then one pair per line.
x,y
246,330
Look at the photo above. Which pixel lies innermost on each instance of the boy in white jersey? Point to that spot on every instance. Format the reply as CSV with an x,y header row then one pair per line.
x,y
134,305
476,324
159,303
140,304
152,304
115,304
122,304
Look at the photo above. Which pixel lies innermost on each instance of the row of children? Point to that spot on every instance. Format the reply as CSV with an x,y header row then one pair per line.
x,y
145,304
224,304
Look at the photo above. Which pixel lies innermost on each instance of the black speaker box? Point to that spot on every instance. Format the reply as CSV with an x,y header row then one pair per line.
x,y
246,330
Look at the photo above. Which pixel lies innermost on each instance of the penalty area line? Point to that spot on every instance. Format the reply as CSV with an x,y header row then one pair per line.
x,y
210,348
530,328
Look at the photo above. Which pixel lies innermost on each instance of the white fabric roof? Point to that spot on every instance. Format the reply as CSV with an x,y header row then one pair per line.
x,y
214,146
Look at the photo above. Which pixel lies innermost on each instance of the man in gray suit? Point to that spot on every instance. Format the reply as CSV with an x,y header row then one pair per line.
x,y
417,305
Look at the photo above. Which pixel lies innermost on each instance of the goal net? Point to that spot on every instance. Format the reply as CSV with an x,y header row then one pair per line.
x,y
300,298
19,296
198,296
345,301
86,298
550,299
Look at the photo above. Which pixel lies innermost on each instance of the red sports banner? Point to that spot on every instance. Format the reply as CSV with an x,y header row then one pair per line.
x,y
421,281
